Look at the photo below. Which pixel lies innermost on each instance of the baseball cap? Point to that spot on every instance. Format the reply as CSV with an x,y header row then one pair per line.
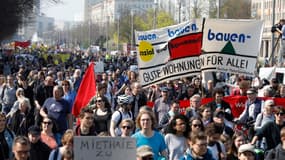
x,y
251,91
219,113
269,102
245,148
34,130
164,89
144,150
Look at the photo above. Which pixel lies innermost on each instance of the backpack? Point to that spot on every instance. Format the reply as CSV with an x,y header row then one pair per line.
x,y
121,117
55,154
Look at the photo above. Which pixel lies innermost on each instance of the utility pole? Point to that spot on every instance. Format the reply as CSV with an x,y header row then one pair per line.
x,y
179,12
118,30
273,37
155,14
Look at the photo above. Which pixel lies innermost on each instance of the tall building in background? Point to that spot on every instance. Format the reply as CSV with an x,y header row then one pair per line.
x,y
88,7
264,10
103,11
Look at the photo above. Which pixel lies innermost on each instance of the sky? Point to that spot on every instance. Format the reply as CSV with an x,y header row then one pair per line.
x,y
67,10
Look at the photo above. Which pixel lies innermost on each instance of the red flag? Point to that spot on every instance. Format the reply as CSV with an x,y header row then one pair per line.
x,y
86,91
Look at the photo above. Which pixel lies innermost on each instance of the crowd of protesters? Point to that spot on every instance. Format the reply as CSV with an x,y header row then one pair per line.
x,y
37,98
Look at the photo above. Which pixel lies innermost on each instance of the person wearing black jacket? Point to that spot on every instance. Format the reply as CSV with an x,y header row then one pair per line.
x,y
39,150
219,104
278,153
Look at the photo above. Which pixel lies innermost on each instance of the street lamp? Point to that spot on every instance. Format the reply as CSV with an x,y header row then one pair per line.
x,y
118,30
155,16
132,29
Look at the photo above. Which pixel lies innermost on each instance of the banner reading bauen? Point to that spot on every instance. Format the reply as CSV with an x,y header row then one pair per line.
x,y
175,51
169,53
231,46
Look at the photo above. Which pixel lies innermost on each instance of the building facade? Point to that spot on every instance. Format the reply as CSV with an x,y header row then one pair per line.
x,y
264,10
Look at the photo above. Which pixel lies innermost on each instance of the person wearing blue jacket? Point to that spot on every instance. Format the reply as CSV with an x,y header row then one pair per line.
x,y
197,148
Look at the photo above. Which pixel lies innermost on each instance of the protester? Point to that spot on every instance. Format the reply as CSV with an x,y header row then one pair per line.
x,y
68,93
59,109
21,148
148,136
278,153
174,110
162,104
196,124
219,104
206,114
6,138
197,143
271,130
8,94
102,116
176,137
216,147
139,98
67,144
127,127
246,152
144,153
86,126
122,113
48,132
39,150
238,139
252,107
195,103
266,116
22,119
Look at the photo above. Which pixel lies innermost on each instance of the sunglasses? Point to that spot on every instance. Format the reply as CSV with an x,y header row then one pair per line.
x,y
280,114
98,100
148,158
126,127
48,123
196,125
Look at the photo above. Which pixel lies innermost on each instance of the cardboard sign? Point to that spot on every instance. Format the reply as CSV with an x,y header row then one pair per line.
x,y
104,148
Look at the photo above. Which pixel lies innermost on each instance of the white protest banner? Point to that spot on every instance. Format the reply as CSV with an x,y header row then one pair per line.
x,y
231,46
169,53
104,148
99,67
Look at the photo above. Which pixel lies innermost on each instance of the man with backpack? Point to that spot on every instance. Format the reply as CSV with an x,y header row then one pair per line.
x,y
123,112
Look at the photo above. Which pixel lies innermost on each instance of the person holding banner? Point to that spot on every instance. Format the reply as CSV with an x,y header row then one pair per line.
x,y
252,107
220,104
241,89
